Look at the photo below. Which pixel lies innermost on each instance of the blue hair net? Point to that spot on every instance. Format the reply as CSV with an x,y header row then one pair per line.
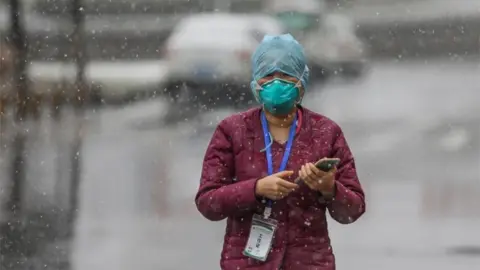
x,y
280,53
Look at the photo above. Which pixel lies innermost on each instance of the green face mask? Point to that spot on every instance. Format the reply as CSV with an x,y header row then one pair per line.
x,y
278,96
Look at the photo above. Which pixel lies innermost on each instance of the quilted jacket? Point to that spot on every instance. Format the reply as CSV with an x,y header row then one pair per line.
x,y
232,165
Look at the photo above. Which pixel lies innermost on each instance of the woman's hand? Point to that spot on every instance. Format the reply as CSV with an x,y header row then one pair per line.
x,y
317,179
274,187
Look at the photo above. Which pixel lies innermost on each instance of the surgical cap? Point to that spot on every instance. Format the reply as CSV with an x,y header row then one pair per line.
x,y
280,53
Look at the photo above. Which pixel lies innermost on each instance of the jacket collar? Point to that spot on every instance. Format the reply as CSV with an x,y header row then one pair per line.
x,y
253,123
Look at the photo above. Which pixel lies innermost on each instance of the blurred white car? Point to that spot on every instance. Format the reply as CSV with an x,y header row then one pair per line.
x,y
330,40
336,48
208,56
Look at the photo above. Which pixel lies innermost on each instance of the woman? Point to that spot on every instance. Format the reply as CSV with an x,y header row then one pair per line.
x,y
251,163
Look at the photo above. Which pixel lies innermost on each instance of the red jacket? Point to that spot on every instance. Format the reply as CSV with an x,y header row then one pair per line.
x,y
232,165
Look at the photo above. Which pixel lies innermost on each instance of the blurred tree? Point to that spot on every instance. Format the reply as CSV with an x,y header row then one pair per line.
x,y
6,58
82,95
6,75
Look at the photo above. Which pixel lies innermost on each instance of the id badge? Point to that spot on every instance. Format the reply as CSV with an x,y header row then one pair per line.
x,y
260,239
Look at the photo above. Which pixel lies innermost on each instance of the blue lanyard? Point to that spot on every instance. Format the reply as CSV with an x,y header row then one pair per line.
x,y
268,143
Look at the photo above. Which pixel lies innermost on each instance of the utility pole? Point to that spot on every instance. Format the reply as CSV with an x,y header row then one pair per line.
x,y
80,102
12,233
17,174
19,41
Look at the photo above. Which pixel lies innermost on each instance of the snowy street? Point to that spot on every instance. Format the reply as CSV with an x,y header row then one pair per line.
x,y
414,129
110,184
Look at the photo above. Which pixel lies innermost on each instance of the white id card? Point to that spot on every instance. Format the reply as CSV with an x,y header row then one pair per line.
x,y
261,238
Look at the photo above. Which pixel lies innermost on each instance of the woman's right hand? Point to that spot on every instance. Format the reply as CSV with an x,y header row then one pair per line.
x,y
274,187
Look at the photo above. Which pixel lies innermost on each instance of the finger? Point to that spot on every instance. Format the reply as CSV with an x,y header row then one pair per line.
x,y
283,189
310,174
288,185
275,195
305,176
301,173
279,195
303,169
283,174
316,170
282,195
313,180
308,169
271,197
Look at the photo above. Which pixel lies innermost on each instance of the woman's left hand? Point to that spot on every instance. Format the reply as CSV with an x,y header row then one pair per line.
x,y
318,180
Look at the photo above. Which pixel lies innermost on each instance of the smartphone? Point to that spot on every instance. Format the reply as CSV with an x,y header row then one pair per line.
x,y
327,164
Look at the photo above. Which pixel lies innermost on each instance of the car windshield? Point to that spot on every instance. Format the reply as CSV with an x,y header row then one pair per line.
x,y
211,33
297,21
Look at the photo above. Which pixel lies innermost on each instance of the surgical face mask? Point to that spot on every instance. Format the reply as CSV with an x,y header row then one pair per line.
x,y
278,96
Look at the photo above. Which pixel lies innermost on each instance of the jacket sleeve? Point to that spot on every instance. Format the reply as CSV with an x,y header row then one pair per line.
x,y
348,203
218,195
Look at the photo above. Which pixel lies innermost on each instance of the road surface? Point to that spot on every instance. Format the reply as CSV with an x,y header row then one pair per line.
x,y
372,12
414,129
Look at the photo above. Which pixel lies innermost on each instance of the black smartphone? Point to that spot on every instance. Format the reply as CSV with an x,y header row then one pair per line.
x,y
327,164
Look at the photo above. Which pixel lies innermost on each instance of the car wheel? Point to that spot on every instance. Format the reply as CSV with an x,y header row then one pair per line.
x,y
318,73
96,96
352,70
241,97
173,91
225,95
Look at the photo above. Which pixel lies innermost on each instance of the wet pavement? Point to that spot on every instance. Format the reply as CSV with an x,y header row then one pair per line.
x,y
367,11
414,129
